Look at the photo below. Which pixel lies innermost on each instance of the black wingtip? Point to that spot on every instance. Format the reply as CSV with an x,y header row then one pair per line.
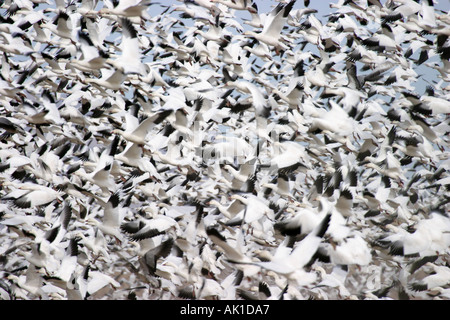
x,y
187,293
151,233
213,232
128,27
132,226
22,203
288,8
114,199
264,288
396,249
324,225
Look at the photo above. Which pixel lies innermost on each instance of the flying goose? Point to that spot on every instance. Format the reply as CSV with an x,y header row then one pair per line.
x,y
129,61
255,213
237,4
31,195
109,224
92,58
438,277
289,262
429,236
136,131
149,261
232,253
148,228
289,156
301,222
32,282
130,9
273,25
110,79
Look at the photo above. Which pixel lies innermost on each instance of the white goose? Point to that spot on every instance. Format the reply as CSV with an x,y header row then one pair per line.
x,y
289,262
438,277
131,9
257,20
110,79
136,131
300,222
319,76
129,60
61,27
149,228
289,156
109,223
227,149
405,10
97,280
31,195
95,241
232,252
237,4
104,166
257,97
430,236
31,282
255,213
382,41
69,261
273,25
352,250
242,175
293,93
282,186
390,166
229,211
92,59
134,156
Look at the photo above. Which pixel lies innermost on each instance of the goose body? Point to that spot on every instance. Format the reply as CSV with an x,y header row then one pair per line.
x,y
273,24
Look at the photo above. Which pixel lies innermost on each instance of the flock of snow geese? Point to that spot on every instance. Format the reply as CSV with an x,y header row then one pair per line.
x,y
208,150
